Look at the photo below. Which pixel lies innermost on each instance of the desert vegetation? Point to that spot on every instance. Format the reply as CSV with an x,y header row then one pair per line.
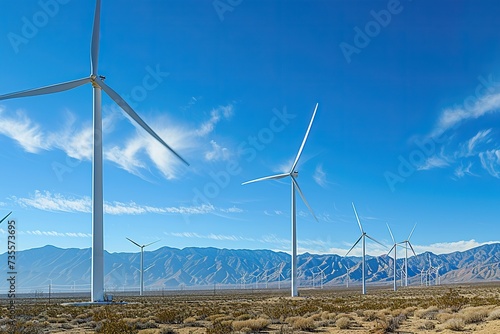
x,y
474,308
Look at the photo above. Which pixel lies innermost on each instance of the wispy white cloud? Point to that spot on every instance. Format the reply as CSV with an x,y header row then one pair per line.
x,y
24,131
320,176
134,154
217,152
450,247
216,115
480,137
52,233
451,117
55,202
490,160
59,234
47,201
210,236
462,170
434,162
273,213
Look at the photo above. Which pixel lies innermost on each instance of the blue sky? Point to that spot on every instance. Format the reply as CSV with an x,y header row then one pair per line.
x,y
407,124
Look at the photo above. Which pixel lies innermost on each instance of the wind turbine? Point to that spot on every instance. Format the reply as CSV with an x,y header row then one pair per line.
x,y
97,81
362,238
1,221
407,244
293,174
394,246
142,261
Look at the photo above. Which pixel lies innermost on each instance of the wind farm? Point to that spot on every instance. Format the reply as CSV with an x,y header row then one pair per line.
x,y
392,106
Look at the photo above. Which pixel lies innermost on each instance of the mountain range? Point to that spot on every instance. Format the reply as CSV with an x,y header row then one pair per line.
x,y
190,268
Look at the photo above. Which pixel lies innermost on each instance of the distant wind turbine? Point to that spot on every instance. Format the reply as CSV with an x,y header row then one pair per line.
x,y
142,262
407,244
362,238
97,82
1,221
394,246
293,174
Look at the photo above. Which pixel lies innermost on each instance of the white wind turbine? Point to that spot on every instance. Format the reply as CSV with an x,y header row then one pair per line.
x,y
1,221
142,262
97,81
362,238
293,174
407,244
394,246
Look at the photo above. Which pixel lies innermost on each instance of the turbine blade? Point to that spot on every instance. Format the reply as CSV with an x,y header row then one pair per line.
x,y
303,197
135,243
304,141
378,242
124,105
357,218
411,233
392,236
94,47
390,250
151,243
47,89
1,221
272,177
411,247
354,245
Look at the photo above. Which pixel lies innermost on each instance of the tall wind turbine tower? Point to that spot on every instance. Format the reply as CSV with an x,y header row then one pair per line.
x,y
293,174
98,85
362,238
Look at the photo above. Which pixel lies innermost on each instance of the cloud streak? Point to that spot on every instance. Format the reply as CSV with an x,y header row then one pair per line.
x,y
133,154
46,201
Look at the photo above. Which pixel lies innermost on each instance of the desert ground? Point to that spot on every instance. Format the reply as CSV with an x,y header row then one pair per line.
x,y
443,309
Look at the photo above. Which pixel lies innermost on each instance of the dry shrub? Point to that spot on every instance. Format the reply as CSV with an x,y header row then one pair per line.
x,y
220,327
244,317
409,311
109,322
389,325
254,325
23,327
343,323
302,323
443,317
428,313
494,314
325,315
455,324
452,300
169,316
190,321
474,315
427,325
